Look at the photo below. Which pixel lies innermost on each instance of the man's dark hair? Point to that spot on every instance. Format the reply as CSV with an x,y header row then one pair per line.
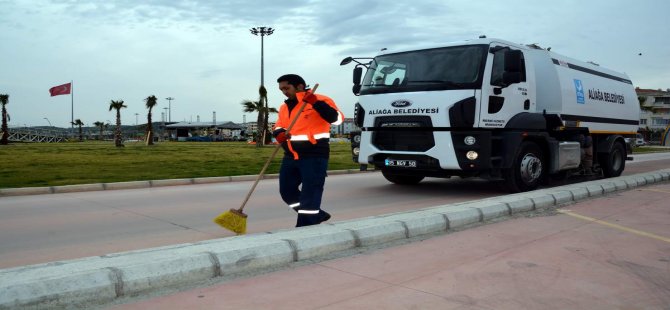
x,y
292,79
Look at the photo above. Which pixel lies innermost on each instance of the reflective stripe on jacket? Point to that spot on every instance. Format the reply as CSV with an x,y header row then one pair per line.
x,y
311,126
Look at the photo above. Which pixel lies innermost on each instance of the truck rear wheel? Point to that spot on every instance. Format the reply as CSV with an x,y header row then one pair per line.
x,y
528,168
401,179
614,162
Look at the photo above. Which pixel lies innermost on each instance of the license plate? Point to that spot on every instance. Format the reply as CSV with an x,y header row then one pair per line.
x,y
400,163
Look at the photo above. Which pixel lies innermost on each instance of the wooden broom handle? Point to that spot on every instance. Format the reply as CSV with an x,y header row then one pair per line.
x,y
276,149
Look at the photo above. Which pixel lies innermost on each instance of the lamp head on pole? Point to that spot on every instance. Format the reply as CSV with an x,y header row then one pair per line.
x,y
262,31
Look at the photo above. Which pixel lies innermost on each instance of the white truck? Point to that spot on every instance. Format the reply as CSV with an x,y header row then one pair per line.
x,y
490,108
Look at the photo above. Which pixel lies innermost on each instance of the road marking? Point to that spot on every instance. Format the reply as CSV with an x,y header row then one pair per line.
x,y
619,227
656,190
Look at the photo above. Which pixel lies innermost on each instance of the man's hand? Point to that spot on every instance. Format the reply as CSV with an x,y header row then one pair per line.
x,y
310,98
281,137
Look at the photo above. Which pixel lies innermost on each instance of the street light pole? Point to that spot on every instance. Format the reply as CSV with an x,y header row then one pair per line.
x,y
169,99
48,122
262,32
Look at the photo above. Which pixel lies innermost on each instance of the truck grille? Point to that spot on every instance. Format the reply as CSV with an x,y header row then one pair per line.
x,y
403,133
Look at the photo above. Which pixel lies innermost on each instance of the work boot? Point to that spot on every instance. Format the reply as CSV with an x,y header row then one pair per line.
x,y
312,219
308,219
325,216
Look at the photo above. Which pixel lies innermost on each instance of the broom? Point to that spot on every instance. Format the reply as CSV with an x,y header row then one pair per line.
x,y
235,220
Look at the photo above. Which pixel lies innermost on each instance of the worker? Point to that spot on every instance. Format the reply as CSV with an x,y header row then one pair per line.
x,y
306,148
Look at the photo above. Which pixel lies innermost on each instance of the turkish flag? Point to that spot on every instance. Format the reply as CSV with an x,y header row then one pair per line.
x,y
60,89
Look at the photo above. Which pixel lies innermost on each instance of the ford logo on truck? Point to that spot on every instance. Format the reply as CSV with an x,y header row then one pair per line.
x,y
401,103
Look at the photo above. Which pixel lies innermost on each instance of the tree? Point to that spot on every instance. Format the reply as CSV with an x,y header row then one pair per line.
x,y
117,105
101,126
79,123
151,102
4,99
263,110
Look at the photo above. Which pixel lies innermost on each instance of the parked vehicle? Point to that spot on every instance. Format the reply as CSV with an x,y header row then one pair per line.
x,y
491,108
639,140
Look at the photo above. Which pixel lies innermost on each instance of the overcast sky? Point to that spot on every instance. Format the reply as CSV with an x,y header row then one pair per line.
x,y
201,51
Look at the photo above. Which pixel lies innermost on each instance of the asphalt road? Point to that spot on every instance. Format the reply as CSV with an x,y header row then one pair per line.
x,y
44,228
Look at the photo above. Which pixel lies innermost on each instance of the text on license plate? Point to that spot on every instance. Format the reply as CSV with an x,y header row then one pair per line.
x,y
400,163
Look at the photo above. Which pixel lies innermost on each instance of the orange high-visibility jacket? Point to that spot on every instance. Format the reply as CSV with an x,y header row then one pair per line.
x,y
310,126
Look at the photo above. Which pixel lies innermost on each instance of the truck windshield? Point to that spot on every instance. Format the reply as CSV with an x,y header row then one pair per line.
x,y
457,67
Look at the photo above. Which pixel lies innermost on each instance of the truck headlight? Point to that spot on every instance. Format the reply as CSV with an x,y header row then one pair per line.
x,y
472,155
469,140
356,151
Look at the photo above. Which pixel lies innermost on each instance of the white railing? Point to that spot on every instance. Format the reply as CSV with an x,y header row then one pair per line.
x,y
27,134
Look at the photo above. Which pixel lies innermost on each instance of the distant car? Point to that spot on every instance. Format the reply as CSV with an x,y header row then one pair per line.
x,y
640,142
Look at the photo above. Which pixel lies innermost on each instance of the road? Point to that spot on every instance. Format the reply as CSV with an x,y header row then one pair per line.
x,y
44,228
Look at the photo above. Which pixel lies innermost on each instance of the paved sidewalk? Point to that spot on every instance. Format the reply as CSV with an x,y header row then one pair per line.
x,y
612,252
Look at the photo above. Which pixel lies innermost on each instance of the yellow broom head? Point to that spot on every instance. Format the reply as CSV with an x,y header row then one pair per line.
x,y
233,220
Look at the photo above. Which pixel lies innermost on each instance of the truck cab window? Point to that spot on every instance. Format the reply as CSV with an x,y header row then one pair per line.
x,y
458,67
499,68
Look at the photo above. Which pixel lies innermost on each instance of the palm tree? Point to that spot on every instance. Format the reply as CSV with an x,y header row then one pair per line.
x,y
4,99
100,125
79,123
117,105
255,106
151,102
261,107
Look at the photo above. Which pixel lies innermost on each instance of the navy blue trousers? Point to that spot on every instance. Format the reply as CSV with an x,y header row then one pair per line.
x,y
306,199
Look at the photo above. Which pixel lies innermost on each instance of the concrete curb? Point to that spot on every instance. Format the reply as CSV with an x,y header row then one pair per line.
x,y
100,280
22,191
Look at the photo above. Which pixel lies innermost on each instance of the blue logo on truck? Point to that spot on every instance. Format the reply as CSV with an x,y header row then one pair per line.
x,y
579,90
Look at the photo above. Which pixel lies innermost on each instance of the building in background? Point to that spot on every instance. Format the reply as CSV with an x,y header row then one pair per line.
x,y
205,131
654,113
343,129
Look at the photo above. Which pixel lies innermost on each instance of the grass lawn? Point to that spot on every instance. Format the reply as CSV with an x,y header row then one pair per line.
x,y
51,164
648,149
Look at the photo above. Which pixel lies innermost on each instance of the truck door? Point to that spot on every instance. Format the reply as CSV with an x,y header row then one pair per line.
x,y
500,100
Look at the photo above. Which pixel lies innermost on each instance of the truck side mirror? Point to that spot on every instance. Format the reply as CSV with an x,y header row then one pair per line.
x,y
358,73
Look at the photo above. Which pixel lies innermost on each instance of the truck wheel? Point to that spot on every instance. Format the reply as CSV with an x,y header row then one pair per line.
x,y
528,168
401,179
614,162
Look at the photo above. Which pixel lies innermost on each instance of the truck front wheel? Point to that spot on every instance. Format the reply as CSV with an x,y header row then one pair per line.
x,y
528,168
614,162
401,179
